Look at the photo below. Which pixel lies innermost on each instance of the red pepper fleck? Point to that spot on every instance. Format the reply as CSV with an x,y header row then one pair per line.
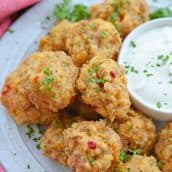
x,y
5,89
92,145
101,86
36,79
112,74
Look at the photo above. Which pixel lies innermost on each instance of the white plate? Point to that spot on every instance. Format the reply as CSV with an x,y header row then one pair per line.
x,y
16,150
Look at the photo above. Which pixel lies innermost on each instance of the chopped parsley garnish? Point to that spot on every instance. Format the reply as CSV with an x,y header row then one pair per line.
x,y
129,68
38,146
57,124
103,34
113,17
162,12
30,131
123,156
10,30
133,44
135,152
160,164
79,12
93,162
47,17
94,80
93,70
65,11
48,79
36,139
158,105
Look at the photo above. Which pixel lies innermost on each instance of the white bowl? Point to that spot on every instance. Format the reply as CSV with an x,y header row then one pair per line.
x,y
139,103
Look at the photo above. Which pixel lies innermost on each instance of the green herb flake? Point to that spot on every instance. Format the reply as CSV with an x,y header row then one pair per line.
x,y
30,131
134,70
93,70
103,34
160,164
65,11
123,156
93,162
47,17
57,124
149,74
36,139
113,17
162,12
133,44
135,152
158,105
10,30
38,147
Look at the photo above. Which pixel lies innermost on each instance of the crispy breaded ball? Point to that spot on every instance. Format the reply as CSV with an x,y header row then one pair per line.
x,y
124,14
91,146
56,38
138,163
51,80
103,85
52,142
89,38
18,104
137,132
163,147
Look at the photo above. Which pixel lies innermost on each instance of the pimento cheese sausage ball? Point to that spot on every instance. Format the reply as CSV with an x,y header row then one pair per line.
x,y
52,142
56,38
91,146
89,38
51,80
137,132
17,103
124,14
138,163
103,85
163,147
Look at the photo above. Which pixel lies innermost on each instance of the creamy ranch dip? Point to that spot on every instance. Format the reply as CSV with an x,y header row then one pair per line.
x,y
148,64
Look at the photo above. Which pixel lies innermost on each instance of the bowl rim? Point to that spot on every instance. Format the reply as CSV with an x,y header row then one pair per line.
x,y
153,24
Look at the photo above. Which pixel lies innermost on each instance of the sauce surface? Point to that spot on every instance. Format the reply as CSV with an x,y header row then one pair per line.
x,y
148,64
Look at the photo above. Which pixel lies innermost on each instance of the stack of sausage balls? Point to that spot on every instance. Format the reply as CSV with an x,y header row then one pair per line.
x,y
74,86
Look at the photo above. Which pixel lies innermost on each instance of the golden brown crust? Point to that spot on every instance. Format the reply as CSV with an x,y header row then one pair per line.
x,y
56,38
137,132
163,147
89,38
52,141
124,14
139,163
51,80
103,85
91,146
18,104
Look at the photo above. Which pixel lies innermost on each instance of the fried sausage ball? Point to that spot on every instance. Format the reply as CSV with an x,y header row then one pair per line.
x,y
89,38
50,81
56,38
18,104
137,132
91,146
52,142
124,14
163,148
103,85
138,163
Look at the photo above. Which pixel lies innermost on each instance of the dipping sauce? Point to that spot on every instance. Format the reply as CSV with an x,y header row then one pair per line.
x,y
148,64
